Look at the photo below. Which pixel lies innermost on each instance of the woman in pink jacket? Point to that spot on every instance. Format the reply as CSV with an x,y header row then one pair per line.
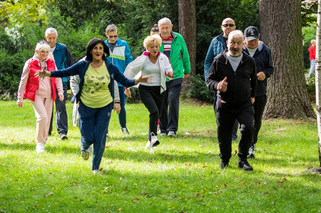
x,y
41,91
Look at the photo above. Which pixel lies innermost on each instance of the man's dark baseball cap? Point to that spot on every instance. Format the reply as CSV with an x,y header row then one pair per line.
x,y
251,33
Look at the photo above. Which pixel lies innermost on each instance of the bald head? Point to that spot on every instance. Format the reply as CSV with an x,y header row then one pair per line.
x,y
228,25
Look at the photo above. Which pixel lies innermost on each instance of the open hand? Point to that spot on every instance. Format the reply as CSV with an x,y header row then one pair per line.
x,y
128,93
143,79
42,73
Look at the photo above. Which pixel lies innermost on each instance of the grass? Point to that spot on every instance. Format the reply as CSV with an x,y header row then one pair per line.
x,y
183,175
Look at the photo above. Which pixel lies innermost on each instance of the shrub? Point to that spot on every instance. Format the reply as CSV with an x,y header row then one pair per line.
x,y
199,90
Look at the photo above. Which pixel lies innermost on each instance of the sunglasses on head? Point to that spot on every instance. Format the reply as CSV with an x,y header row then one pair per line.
x,y
115,36
43,42
228,25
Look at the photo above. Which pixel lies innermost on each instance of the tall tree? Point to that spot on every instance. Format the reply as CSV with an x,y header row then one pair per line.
x,y
187,28
280,24
318,78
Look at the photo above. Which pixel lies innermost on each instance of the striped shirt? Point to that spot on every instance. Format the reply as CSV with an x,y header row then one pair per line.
x,y
167,45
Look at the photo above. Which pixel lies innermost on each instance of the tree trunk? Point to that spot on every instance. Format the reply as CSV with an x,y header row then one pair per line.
x,y
187,28
280,26
318,77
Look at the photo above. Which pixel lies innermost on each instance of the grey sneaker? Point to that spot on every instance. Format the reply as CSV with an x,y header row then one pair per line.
x,y
125,130
63,137
162,134
171,133
85,155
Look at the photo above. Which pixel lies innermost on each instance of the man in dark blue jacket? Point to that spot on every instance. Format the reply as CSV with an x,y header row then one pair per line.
x,y
264,66
63,60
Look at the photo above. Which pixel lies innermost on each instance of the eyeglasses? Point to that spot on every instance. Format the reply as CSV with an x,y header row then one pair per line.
x,y
115,36
228,25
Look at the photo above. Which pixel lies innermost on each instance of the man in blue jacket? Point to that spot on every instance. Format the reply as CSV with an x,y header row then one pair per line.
x,y
264,66
218,44
63,60
119,56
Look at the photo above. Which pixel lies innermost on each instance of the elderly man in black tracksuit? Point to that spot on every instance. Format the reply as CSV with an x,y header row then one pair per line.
x,y
233,75
264,66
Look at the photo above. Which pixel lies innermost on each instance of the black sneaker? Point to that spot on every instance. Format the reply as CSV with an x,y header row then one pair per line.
x,y
243,164
223,165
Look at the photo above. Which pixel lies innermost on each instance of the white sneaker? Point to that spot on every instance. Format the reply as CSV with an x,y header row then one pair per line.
x,y
90,149
125,131
40,147
148,145
154,141
97,172
171,133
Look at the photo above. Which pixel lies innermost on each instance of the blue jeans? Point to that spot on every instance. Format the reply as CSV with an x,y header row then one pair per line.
x,y
122,114
61,114
93,126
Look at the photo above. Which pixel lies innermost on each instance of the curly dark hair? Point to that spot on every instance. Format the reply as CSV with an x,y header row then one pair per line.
x,y
91,44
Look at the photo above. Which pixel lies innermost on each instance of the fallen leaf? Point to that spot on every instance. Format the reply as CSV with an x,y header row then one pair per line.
x,y
235,152
282,180
49,194
265,193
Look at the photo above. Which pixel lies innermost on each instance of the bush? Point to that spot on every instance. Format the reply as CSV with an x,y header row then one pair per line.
x,y
310,84
199,90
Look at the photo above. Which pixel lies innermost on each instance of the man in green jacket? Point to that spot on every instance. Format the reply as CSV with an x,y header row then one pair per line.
x,y
173,45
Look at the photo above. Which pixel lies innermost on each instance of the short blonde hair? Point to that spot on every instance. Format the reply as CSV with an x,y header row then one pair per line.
x,y
42,45
153,39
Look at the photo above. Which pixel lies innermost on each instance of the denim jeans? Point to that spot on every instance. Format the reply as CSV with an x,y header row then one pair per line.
x,y
93,126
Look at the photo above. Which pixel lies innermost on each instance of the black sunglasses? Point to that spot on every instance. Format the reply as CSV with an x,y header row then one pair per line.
x,y
115,36
230,25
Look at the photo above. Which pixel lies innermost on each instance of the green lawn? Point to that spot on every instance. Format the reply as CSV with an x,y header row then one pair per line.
x,y
183,175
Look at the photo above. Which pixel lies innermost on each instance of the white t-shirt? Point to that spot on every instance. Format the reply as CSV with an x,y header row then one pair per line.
x,y
153,70
251,51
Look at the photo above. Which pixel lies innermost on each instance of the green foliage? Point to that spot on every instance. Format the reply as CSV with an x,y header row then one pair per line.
x,y
182,175
199,90
310,85
209,17
19,47
17,13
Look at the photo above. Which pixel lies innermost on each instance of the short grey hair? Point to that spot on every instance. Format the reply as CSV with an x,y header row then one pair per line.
x,y
111,28
50,30
164,20
153,39
235,34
